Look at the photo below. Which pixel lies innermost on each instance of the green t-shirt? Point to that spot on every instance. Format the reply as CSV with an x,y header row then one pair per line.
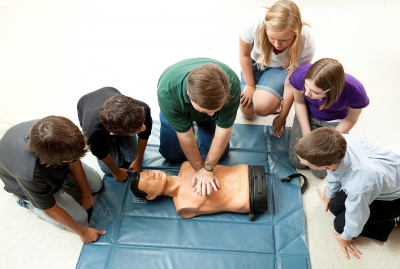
x,y
175,103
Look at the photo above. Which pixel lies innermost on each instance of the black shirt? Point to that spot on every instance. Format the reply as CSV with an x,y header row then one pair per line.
x,y
22,173
89,107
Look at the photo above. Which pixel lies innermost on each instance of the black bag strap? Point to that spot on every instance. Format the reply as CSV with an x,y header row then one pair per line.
x,y
305,183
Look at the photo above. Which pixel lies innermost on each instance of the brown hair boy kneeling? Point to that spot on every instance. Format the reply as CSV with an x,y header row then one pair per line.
x,y
363,184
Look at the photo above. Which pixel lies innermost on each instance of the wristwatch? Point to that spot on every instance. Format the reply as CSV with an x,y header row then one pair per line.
x,y
208,167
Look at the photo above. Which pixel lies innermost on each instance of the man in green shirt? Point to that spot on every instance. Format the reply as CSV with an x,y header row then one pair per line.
x,y
208,92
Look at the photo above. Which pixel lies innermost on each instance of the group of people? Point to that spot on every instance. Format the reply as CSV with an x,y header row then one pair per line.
x,y
276,49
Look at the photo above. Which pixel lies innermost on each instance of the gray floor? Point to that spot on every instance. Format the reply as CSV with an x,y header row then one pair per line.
x,y
53,52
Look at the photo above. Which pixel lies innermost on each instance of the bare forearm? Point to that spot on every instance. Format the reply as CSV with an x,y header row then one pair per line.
x,y
190,149
109,162
288,96
301,111
348,123
345,126
60,216
80,177
218,145
247,69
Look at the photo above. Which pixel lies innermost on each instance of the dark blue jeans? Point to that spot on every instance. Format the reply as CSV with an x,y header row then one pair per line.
x,y
170,148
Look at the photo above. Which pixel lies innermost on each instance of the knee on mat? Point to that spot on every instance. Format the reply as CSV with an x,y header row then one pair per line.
x,y
295,161
173,157
225,154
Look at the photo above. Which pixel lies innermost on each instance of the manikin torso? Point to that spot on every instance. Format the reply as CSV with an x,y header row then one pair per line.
x,y
233,196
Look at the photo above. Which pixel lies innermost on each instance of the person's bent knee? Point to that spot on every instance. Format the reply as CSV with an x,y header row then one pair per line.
x,y
264,111
82,218
96,186
295,161
225,153
333,208
248,113
338,225
172,158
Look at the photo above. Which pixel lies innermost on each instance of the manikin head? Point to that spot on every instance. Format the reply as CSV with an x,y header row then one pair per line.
x,y
148,184
323,148
208,88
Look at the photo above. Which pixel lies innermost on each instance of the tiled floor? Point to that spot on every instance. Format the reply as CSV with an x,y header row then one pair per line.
x,y
53,52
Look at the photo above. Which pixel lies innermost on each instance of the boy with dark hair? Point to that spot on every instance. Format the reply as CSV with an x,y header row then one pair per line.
x,y
363,184
111,121
39,158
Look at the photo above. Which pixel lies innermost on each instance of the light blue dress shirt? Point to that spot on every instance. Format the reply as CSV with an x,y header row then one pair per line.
x,y
367,172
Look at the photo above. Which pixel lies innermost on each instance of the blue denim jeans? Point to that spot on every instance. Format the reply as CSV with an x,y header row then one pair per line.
x,y
270,79
170,148
67,202
122,148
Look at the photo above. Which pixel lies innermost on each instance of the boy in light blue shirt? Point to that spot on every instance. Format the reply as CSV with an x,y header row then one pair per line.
x,y
363,184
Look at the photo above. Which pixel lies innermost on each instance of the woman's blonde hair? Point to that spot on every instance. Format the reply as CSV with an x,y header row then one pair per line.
x,y
281,16
328,75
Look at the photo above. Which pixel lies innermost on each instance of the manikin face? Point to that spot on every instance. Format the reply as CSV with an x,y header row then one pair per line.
x,y
312,91
280,40
152,182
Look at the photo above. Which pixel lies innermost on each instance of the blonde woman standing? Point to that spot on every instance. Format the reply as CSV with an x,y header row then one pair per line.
x,y
273,42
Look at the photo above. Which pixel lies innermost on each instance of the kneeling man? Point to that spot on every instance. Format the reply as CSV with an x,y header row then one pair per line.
x,y
208,92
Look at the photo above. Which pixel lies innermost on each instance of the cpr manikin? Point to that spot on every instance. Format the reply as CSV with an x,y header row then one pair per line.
x,y
243,190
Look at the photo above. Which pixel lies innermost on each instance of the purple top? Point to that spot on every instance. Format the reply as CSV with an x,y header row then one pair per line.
x,y
353,96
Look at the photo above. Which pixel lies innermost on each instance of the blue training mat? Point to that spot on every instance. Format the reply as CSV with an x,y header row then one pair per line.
x,y
143,234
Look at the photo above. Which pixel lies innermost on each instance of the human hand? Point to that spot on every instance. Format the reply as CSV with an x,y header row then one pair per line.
x,y
326,200
279,123
206,181
121,175
91,235
86,202
347,246
247,96
136,165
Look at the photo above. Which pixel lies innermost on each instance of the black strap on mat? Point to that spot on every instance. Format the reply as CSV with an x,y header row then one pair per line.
x,y
305,183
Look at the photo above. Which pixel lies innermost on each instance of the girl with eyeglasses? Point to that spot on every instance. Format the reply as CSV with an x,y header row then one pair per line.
x,y
324,96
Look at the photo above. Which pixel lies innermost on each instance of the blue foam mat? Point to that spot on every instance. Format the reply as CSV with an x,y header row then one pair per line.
x,y
152,235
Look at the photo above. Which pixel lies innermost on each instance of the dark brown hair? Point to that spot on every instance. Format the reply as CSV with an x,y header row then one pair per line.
x,y
55,139
323,146
208,86
327,74
122,115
